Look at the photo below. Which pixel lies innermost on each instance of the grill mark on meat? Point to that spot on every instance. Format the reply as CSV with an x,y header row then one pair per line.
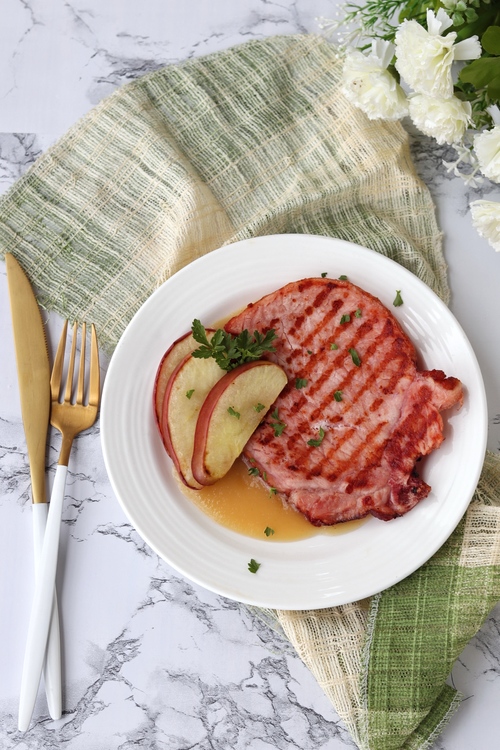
x,y
389,414
337,305
365,385
370,451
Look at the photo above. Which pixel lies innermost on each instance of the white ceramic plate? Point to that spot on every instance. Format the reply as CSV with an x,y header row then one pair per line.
x,y
323,570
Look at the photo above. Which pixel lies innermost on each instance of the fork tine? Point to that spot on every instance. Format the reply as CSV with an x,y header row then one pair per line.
x,y
81,369
94,386
57,370
71,366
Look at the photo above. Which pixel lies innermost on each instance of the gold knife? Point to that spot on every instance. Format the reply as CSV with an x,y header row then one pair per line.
x,y
33,371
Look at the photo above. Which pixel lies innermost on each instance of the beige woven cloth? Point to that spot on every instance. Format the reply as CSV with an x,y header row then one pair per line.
x,y
251,141
255,140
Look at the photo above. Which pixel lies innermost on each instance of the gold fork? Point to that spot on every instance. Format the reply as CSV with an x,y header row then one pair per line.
x,y
70,419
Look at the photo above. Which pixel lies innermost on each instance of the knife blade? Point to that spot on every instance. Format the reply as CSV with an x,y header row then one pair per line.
x,y
33,371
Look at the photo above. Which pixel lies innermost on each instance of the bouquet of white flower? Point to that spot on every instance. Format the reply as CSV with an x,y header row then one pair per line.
x,y
438,62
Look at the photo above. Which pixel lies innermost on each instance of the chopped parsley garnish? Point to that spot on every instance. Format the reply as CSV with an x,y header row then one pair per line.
x,y
300,383
355,357
345,318
324,274
259,407
253,471
268,531
398,301
309,351
277,426
337,395
189,393
272,491
358,313
264,476
316,443
230,351
233,413
253,566
343,277
334,346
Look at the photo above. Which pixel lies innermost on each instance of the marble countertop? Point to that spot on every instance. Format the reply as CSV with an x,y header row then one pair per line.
x,y
152,660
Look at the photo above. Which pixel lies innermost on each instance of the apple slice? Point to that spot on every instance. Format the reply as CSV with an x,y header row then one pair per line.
x,y
186,390
172,357
230,413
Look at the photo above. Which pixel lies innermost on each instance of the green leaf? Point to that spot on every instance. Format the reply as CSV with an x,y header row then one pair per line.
x,y
355,357
233,413
398,300
300,383
199,333
490,40
229,351
481,73
278,428
337,395
316,443
268,531
471,15
253,566
189,393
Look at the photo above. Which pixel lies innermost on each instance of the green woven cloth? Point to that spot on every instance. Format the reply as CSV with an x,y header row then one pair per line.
x,y
259,140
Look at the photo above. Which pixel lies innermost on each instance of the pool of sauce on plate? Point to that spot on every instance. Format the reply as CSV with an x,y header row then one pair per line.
x,y
242,503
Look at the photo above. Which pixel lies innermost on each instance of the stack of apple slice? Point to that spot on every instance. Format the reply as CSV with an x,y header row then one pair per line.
x,y
206,415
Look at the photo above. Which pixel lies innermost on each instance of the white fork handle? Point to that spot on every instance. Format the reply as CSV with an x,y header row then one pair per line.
x,y
38,629
52,668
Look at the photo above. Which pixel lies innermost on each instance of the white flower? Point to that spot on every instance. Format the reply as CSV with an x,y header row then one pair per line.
x,y
424,58
494,113
443,119
369,86
487,148
486,219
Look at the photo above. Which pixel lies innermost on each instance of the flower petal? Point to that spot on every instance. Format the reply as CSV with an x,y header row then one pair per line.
x,y
467,49
436,24
383,51
487,148
486,219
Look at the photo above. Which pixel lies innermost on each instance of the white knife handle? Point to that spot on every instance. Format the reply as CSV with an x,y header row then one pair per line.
x,y
41,611
52,668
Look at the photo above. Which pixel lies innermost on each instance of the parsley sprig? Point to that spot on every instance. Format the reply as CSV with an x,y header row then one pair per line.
x,y
230,351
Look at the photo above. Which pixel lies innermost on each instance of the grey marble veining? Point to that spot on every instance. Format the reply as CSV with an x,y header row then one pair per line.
x,y
152,660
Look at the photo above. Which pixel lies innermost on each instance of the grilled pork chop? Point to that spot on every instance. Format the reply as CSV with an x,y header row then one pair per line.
x,y
356,414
